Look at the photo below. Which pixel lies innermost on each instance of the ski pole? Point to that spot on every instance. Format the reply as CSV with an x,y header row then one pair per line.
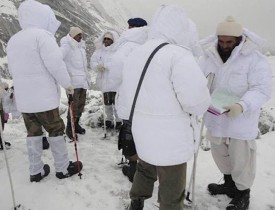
x,y
103,101
15,207
210,78
104,117
71,105
114,117
193,174
187,198
122,161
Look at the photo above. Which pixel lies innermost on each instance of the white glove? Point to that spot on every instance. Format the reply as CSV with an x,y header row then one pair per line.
x,y
234,110
70,90
100,67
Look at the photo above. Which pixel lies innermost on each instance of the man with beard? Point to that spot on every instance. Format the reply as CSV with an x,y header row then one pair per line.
x,y
241,70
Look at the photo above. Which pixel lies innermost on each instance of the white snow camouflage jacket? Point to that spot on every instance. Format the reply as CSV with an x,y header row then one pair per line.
x,y
35,60
173,88
127,42
74,54
103,55
247,75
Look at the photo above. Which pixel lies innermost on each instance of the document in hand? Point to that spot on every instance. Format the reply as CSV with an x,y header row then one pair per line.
x,y
221,98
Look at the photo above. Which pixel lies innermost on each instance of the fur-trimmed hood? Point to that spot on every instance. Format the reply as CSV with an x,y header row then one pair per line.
x,y
99,41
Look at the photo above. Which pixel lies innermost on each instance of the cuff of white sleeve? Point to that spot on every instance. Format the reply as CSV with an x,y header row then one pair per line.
x,y
244,106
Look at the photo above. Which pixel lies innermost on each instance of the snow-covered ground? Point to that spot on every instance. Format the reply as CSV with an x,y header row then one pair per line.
x,y
102,185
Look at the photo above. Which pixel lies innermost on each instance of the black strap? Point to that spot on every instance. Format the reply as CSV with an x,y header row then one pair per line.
x,y
142,77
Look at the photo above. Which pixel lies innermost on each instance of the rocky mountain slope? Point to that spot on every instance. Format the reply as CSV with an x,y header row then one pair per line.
x,y
93,16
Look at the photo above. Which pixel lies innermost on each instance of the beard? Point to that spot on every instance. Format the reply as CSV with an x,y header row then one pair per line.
x,y
225,53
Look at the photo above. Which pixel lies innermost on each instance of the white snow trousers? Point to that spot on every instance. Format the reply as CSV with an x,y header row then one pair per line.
x,y
235,157
34,146
59,152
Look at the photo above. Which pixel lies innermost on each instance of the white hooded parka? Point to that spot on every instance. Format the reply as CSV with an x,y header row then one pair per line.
x,y
127,42
247,75
74,54
103,55
35,60
173,89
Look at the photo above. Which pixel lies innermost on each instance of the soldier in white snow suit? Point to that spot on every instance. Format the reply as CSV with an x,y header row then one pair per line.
x,y
74,53
37,68
173,89
136,35
3,94
101,63
238,67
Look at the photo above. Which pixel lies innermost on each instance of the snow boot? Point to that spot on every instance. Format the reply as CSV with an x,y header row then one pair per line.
x,y
130,170
69,132
78,128
109,125
136,204
240,201
39,176
72,170
228,187
45,143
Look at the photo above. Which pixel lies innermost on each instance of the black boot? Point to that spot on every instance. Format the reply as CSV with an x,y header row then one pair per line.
x,y
228,187
136,204
69,132
78,128
38,177
130,170
240,201
73,168
45,143
109,124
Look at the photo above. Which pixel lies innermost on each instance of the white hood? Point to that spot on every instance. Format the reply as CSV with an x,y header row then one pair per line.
x,y
136,35
253,41
178,29
98,42
33,14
